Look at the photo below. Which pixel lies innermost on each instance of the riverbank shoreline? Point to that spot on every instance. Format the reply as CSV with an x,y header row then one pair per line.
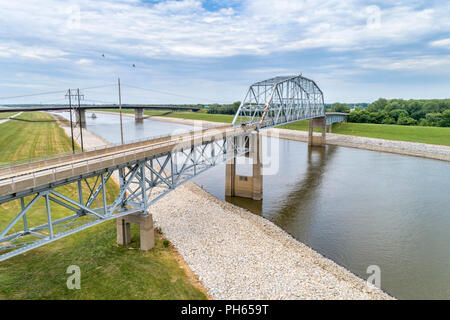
x,y
415,149
423,150
238,255
92,140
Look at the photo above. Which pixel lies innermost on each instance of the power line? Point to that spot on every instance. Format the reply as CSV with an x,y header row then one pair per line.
x,y
169,93
52,92
32,95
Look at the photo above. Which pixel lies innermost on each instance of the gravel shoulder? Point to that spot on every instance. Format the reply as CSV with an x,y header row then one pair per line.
x,y
238,255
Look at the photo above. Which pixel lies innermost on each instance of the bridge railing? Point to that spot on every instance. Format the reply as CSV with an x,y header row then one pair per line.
x,y
77,152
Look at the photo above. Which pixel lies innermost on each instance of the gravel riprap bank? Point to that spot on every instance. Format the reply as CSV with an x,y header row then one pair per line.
x,y
238,255
424,150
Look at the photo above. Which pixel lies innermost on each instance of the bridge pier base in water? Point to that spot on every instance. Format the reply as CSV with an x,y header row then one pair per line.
x,y
80,116
139,114
246,186
147,233
317,141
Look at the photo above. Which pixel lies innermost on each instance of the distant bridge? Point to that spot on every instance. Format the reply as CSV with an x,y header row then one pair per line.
x,y
81,111
86,107
147,170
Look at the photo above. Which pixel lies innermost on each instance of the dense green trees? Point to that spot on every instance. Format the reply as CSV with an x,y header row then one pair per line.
x,y
383,111
405,112
340,107
225,108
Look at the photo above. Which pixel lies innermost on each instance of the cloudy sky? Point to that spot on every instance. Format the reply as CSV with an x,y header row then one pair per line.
x,y
209,51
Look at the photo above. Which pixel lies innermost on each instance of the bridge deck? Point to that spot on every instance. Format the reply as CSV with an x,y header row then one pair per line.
x,y
32,175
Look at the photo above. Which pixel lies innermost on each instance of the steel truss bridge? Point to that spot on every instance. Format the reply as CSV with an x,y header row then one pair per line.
x,y
40,210
279,101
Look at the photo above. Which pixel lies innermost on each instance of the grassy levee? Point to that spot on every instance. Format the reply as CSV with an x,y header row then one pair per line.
x,y
108,271
21,140
430,135
5,115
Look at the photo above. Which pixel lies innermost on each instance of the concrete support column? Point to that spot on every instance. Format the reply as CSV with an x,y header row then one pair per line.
x,y
246,186
147,233
80,116
329,128
318,141
139,114
230,172
256,154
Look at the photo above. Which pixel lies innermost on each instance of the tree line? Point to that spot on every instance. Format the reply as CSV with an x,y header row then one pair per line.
x,y
434,113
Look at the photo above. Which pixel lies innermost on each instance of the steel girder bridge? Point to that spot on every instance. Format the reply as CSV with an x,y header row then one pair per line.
x,y
42,211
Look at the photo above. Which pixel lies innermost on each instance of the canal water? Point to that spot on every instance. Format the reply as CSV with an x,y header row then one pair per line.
x,y
359,208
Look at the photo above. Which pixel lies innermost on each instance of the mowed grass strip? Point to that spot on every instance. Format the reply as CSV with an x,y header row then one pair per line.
x,y
21,140
5,115
108,271
430,135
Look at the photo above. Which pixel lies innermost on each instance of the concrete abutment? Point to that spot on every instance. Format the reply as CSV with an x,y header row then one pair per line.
x,y
246,186
146,230
80,116
139,114
317,141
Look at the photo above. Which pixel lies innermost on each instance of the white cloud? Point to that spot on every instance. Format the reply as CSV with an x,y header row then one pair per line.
x,y
84,62
441,43
184,28
422,63
16,50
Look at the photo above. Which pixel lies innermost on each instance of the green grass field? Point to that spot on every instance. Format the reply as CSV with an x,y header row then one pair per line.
x,y
431,135
108,271
5,115
24,140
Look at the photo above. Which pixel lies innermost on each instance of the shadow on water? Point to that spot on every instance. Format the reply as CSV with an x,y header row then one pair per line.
x,y
305,190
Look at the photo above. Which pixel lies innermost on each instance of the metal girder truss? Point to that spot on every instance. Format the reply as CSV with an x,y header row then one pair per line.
x,y
142,183
280,100
336,117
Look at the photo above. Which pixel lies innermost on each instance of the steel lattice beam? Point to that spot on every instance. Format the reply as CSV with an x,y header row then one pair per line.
x,y
279,101
142,183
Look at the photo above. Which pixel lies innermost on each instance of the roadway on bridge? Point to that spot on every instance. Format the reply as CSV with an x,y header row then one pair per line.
x,y
23,177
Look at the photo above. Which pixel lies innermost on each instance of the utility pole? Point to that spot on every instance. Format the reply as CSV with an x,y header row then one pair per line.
x,y
121,131
71,123
120,112
79,117
79,97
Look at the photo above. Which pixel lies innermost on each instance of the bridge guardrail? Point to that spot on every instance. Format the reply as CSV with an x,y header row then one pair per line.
x,y
32,176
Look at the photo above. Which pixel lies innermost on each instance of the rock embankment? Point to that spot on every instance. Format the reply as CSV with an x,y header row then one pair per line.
x,y
424,150
238,255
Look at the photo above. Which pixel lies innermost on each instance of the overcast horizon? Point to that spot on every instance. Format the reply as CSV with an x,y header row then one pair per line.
x,y
210,51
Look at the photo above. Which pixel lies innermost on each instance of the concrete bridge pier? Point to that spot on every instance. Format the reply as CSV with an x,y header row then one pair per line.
x,y
147,233
80,116
317,141
246,186
139,114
